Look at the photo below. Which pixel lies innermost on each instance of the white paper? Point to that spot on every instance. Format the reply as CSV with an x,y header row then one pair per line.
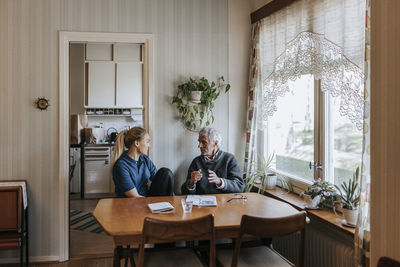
x,y
202,201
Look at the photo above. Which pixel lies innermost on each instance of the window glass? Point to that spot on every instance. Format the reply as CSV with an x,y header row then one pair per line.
x,y
290,132
344,144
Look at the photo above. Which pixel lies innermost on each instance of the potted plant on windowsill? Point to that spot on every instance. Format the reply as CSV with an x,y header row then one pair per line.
x,y
350,196
263,175
321,194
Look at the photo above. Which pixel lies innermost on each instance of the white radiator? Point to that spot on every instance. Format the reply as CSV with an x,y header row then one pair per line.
x,y
324,247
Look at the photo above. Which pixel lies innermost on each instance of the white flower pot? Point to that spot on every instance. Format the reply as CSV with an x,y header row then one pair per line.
x,y
350,216
195,96
271,180
312,203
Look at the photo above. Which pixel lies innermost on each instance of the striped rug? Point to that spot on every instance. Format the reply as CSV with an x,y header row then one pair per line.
x,y
84,221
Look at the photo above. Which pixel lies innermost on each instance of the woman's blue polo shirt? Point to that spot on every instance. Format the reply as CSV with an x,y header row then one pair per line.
x,y
129,173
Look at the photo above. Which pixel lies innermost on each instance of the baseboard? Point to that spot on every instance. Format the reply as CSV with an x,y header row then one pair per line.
x,y
31,259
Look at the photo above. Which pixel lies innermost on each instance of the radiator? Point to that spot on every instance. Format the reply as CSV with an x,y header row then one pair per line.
x,y
325,247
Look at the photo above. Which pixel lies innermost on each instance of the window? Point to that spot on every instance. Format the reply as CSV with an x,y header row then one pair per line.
x,y
310,138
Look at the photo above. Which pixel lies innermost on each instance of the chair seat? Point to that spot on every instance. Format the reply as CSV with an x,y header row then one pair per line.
x,y
257,256
170,258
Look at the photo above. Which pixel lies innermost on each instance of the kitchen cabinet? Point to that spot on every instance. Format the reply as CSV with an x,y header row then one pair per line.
x,y
129,84
101,84
114,79
97,174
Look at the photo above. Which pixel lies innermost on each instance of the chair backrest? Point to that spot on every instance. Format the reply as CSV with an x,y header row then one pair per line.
x,y
387,262
272,227
160,231
11,208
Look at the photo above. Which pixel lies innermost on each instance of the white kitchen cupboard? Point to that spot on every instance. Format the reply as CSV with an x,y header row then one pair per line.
x,y
115,83
129,84
99,51
101,84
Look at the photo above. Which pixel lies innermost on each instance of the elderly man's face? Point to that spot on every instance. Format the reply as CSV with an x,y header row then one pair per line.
x,y
206,147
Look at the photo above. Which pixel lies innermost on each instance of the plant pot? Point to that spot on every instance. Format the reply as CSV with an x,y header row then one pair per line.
x,y
195,96
271,180
350,216
312,203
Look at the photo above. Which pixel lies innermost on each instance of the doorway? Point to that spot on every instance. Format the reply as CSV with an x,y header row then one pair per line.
x,y
75,243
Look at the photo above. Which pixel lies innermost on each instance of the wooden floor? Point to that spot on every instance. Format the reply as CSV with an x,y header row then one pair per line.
x,y
98,262
86,245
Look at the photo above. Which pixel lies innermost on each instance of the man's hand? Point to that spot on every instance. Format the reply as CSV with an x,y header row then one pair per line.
x,y
213,178
195,176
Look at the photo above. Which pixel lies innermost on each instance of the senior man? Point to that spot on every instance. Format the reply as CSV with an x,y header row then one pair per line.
x,y
214,171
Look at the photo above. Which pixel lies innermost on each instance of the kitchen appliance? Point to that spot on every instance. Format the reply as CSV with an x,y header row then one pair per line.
x,y
97,178
112,134
75,169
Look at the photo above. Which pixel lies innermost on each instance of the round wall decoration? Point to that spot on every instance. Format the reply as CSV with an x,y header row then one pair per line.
x,y
42,103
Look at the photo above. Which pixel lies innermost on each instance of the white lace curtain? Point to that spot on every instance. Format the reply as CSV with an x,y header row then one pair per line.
x,y
324,38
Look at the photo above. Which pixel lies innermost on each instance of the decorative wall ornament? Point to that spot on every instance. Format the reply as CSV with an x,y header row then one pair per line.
x,y
311,53
42,103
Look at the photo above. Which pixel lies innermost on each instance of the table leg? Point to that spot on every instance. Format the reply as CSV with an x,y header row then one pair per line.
x,y
117,256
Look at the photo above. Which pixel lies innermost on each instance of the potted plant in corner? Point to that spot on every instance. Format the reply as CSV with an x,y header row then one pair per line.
x,y
321,194
263,175
350,196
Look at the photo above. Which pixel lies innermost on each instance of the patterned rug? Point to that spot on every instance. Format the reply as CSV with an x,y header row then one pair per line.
x,y
84,221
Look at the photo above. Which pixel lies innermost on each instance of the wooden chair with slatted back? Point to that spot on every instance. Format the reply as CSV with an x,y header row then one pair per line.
x,y
266,228
13,221
387,262
160,231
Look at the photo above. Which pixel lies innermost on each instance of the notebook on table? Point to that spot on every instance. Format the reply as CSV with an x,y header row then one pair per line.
x,y
161,207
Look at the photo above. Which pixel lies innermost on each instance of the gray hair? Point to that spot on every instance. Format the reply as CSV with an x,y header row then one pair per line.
x,y
212,134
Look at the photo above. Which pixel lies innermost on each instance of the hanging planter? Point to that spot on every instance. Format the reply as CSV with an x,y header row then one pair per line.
x,y
195,101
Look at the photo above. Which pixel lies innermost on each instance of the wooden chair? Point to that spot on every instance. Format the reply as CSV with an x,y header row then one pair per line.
x,y
13,221
266,228
387,262
158,231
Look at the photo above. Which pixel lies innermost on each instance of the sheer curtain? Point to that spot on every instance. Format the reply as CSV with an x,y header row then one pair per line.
x,y
320,37
362,238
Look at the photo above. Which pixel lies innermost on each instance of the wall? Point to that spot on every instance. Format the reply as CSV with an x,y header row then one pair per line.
x,y
385,128
191,39
239,54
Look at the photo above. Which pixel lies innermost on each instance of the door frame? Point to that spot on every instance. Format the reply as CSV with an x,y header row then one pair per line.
x,y
65,38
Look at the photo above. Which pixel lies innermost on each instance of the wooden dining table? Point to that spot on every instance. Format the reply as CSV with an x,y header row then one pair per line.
x,y
122,218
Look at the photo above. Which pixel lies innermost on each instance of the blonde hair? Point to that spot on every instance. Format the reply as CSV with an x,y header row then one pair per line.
x,y
125,139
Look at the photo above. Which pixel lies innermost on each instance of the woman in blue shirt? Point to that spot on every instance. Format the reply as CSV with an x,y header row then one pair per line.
x,y
134,174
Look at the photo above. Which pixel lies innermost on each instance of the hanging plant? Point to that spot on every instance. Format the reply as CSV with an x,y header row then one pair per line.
x,y
195,101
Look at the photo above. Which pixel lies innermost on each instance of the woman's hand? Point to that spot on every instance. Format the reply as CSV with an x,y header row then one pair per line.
x,y
132,193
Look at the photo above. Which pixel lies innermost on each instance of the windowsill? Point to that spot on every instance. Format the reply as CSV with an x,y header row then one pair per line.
x,y
324,215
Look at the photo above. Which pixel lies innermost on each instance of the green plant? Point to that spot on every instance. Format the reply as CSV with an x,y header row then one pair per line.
x,y
325,190
261,168
350,195
196,115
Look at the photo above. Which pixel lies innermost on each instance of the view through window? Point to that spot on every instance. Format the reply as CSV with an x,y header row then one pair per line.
x,y
291,134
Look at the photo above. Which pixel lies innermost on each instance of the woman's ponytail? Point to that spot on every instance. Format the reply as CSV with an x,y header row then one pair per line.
x,y
119,147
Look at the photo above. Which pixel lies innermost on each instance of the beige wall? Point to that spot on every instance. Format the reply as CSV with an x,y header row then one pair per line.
x,y
191,38
239,26
385,128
